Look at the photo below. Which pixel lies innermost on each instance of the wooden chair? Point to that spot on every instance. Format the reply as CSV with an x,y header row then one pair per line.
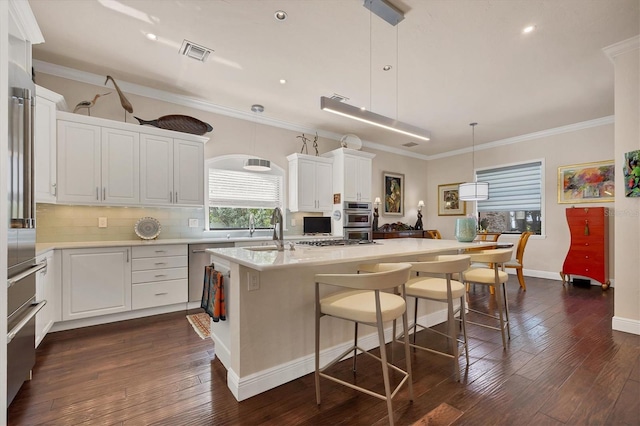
x,y
365,302
517,262
433,234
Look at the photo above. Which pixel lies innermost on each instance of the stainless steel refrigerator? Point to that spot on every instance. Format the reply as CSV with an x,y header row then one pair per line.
x,y
21,279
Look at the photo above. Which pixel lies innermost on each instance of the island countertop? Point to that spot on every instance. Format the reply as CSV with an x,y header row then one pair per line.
x,y
266,259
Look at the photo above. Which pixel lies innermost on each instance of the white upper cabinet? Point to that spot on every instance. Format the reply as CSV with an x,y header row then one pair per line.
x,y
172,171
310,183
351,174
97,165
113,163
47,103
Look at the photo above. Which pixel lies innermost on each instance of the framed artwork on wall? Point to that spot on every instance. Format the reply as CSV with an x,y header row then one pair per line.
x,y
586,183
631,170
393,194
449,203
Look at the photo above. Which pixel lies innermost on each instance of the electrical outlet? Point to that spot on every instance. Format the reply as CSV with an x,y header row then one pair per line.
x,y
253,280
293,222
102,222
193,223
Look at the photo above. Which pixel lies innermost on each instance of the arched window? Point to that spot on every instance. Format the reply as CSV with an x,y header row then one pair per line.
x,y
234,193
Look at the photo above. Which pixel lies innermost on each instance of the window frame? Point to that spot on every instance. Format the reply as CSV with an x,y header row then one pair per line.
x,y
542,191
234,162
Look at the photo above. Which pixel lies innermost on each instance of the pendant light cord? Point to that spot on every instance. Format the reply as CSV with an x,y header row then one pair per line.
x,y
473,149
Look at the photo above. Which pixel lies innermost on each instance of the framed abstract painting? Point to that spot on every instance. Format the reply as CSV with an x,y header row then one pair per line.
x,y
393,194
586,183
449,203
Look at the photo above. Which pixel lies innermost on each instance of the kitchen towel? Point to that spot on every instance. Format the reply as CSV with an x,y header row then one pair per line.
x,y
213,294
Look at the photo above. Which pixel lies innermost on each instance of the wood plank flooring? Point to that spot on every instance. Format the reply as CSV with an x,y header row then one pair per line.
x,y
564,366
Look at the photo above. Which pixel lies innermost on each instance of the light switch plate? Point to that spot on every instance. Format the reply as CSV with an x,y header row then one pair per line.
x,y
102,222
193,223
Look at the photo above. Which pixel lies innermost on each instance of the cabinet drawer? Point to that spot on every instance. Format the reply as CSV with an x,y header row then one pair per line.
x,y
159,263
158,294
159,250
159,275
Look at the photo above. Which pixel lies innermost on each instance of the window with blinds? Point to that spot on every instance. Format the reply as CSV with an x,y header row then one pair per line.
x,y
236,195
515,198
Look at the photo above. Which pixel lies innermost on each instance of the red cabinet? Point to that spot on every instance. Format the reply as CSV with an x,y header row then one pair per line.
x,y
588,254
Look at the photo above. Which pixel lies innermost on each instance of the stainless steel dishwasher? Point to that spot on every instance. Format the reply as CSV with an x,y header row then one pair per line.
x,y
198,259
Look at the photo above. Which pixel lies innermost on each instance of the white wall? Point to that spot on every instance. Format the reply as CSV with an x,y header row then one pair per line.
x,y
545,254
627,210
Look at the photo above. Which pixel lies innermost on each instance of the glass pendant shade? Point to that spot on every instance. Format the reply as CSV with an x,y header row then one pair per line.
x,y
473,191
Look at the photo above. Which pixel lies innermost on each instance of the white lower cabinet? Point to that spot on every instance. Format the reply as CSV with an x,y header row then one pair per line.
x,y
95,282
159,276
47,288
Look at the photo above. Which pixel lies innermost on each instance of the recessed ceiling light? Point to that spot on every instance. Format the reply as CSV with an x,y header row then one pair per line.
x,y
283,81
152,36
280,15
528,29
387,67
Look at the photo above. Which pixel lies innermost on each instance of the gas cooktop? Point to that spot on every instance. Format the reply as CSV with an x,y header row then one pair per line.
x,y
334,242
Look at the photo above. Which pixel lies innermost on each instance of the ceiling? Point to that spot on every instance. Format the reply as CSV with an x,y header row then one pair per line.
x,y
453,61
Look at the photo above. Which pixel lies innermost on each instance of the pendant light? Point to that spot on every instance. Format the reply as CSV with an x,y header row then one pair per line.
x,y
473,191
256,164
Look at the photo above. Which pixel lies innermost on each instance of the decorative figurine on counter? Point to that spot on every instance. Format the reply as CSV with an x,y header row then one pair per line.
x,y
88,104
179,123
305,139
376,203
123,100
419,222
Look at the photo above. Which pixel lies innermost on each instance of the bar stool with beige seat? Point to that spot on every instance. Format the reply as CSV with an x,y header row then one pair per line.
x,y
366,302
440,286
495,277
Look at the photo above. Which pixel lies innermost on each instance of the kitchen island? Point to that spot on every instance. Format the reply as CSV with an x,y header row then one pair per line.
x,y
268,336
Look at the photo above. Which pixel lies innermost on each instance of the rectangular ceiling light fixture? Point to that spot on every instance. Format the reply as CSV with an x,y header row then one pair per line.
x,y
385,10
346,110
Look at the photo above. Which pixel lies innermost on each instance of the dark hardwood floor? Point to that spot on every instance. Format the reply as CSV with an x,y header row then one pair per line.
x,y
564,366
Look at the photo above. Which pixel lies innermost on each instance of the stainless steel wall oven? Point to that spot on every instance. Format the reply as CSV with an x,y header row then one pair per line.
x,y
357,221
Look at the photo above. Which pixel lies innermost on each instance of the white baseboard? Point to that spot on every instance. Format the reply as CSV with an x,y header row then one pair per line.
x,y
625,324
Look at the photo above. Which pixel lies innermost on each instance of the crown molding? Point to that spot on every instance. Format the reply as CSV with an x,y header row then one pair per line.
x,y
136,89
621,47
531,136
26,21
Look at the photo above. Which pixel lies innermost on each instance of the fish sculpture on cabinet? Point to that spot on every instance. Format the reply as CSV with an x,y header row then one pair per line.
x,y
179,123
89,104
123,100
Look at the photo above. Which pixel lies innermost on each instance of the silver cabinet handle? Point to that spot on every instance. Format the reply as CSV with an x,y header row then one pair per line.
x,y
198,251
160,263
104,193
176,197
160,275
35,308
127,255
170,197
55,189
161,294
97,193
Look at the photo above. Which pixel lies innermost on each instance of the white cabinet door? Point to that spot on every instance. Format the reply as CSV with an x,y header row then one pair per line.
x,y
120,152
45,150
95,282
324,186
188,173
47,288
306,186
156,170
357,178
364,179
79,165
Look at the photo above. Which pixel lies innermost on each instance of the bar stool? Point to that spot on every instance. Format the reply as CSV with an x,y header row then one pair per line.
x,y
440,286
495,277
365,303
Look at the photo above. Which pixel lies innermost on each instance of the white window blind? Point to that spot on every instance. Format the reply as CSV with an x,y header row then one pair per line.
x,y
512,188
229,188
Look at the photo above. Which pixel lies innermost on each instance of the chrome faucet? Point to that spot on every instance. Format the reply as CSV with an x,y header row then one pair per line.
x,y
252,224
276,219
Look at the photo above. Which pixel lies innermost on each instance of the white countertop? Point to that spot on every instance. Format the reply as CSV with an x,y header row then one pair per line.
x,y
303,255
42,248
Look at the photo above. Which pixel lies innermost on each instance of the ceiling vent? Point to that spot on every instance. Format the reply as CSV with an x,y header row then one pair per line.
x,y
410,144
195,51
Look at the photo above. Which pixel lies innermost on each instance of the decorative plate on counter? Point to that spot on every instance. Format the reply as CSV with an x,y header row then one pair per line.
x,y
147,228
